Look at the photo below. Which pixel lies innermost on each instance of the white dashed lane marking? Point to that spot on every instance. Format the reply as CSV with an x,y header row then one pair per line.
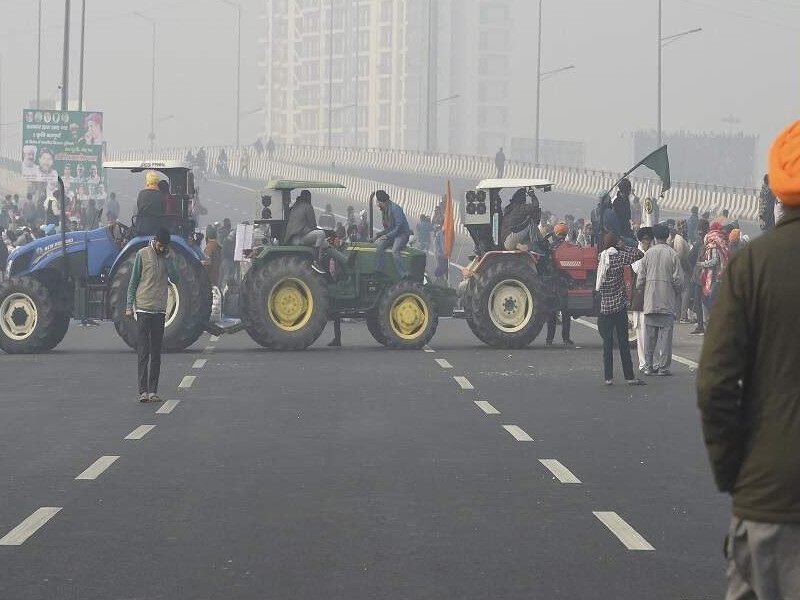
x,y
463,382
199,363
562,473
443,363
187,381
139,432
97,467
486,407
29,526
167,407
428,349
626,534
518,433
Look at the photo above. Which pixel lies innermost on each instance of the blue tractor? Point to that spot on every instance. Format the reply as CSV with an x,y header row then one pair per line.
x,y
86,274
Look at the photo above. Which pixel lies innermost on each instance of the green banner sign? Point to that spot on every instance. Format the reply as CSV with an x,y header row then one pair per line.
x,y
66,143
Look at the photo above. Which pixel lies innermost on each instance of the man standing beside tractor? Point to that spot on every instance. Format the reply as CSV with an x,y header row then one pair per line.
x,y
395,233
153,269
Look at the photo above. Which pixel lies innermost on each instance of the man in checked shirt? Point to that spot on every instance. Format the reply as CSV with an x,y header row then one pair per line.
x,y
613,319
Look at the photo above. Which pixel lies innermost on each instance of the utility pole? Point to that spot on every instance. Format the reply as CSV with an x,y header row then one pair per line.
x,y
431,121
80,73
658,102
538,86
152,134
238,9
39,61
65,67
330,78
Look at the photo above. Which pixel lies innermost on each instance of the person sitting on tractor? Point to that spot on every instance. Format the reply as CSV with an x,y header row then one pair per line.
x,y
559,237
395,233
150,204
519,227
301,230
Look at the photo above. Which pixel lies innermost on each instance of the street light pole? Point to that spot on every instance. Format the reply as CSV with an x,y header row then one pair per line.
x,y
65,66
538,86
330,77
152,134
80,73
238,8
39,60
658,102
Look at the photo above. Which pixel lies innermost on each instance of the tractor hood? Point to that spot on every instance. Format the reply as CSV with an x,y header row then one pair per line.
x,y
23,257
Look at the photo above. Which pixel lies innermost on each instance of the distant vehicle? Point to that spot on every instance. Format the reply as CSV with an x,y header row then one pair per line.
x,y
86,274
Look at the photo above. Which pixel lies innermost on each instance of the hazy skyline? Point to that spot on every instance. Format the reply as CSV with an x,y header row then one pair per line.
x,y
744,63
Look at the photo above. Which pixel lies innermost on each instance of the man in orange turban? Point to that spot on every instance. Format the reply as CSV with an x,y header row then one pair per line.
x,y
747,394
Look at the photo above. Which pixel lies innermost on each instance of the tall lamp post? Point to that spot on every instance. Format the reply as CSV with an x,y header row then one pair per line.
x,y
238,8
665,41
541,77
152,135
39,60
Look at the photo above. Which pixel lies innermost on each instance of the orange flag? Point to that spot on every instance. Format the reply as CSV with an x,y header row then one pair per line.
x,y
449,226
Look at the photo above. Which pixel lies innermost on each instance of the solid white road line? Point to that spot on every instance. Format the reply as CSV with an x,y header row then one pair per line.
x,y
679,359
199,363
626,534
518,433
562,473
187,381
443,363
97,467
213,338
139,432
463,382
428,349
486,407
29,526
167,407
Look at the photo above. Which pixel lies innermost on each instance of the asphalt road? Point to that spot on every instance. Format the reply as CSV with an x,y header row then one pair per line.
x,y
353,473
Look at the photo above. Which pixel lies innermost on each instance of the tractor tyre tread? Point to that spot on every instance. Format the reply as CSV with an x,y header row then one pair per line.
x,y
383,310
47,324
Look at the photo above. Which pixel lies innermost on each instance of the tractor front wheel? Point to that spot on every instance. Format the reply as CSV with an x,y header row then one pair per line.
x,y
406,316
29,319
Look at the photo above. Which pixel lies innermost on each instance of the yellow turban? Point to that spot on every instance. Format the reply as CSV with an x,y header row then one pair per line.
x,y
151,179
784,166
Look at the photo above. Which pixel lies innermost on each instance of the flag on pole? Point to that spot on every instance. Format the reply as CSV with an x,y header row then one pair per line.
x,y
658,161
449,226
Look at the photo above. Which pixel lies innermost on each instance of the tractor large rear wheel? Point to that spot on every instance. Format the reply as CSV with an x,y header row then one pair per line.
x,y
188,303
507,305
406,316
284,303
29,321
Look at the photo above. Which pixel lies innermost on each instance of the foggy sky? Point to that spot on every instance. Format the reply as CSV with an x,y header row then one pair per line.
x,y
745,63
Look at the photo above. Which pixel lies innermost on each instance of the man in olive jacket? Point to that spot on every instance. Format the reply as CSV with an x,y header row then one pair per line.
x,y
749,397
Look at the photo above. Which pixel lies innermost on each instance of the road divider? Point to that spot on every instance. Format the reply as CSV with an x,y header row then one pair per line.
x,y
97,468
559,471
626,534
20,533
518,433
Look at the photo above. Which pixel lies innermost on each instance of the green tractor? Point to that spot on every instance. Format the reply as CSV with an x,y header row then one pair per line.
x,y
286,299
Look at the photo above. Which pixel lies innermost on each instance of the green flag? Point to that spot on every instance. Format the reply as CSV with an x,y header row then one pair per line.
x,y
658,161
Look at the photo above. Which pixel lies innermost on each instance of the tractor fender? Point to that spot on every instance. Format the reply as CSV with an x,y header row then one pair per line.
x,y
142,240
489,258
276,251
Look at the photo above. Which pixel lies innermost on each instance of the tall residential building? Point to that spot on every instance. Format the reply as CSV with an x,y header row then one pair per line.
x,y
406,74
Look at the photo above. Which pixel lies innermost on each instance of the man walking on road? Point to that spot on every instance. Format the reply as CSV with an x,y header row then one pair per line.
x,y
153,269
661,278
500,163
748,396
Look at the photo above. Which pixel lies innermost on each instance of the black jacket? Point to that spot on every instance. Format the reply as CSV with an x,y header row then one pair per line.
x,y
301,220
150,203
518,216
747,384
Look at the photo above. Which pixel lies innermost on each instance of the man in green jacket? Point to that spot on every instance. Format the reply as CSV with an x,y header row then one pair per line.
x,y
148,291
749,396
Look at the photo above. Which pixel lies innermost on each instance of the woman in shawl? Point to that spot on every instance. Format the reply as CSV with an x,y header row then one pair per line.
x,y
715,259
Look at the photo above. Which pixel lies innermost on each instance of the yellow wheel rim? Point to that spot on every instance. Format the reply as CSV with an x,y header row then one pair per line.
x,y
409,316
290,304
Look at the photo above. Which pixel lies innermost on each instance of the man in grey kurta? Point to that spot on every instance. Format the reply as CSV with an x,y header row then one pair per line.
x,y
661,278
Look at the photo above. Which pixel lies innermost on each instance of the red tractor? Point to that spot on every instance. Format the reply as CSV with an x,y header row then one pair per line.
x,y
508,296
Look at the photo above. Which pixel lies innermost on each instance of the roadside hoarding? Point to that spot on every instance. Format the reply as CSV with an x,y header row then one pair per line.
x,y
66,143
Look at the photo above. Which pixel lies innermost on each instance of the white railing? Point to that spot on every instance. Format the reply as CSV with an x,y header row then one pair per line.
x,y
741,202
